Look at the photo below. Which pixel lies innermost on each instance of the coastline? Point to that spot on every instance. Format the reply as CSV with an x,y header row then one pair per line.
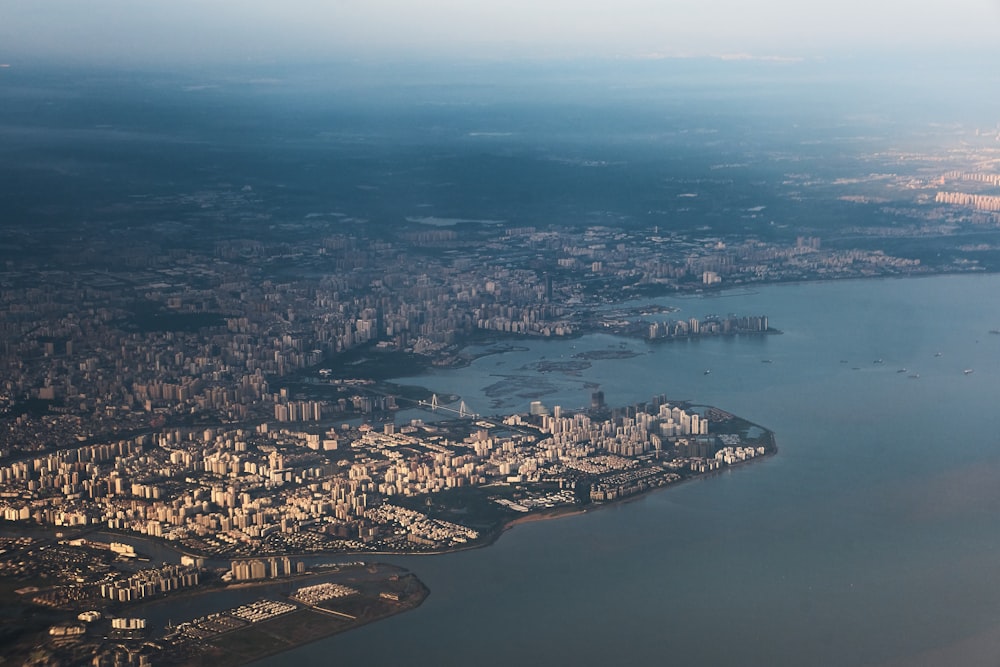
x,y
574,510
381,590
489,535
488,540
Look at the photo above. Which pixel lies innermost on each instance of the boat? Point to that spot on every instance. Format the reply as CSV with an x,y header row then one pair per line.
x,y
967,371
707,371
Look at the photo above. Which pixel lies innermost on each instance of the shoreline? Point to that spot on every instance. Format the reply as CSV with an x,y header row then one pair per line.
x,y
324,623
457,361
492,538
530,517
575,510
766,438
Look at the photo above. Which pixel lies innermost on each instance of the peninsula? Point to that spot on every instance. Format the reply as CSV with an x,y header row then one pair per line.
x,y
256,507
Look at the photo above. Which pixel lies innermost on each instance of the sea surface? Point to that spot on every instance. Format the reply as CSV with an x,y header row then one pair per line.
x,y
871,538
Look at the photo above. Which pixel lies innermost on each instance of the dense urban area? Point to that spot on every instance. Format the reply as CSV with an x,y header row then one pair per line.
x,y
106,341
232,397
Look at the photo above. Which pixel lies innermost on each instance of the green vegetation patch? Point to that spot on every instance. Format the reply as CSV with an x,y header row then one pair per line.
x,y
469,506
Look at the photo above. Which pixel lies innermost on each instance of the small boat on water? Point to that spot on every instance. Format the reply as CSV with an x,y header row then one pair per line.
x,y
707,371
967,371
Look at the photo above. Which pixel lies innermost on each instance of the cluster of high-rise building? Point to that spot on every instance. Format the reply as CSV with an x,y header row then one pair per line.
x,y
114,347
978,202
975,176
270,568
267,492
151,582
712,326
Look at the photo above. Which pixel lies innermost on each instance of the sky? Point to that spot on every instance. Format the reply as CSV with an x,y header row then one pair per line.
x,y
198,31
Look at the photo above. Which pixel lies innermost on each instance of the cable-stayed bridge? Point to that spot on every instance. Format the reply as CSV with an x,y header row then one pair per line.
x,y
434,406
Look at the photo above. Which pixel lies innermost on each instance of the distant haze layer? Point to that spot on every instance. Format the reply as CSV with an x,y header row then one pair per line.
x,y
127,32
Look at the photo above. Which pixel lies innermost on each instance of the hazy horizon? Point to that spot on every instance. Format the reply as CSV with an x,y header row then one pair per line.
x,y
117,32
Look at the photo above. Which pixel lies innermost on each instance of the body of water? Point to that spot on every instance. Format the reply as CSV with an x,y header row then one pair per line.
x,y
872,538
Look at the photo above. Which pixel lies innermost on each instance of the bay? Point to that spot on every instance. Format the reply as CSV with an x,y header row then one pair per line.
x,y
871,538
